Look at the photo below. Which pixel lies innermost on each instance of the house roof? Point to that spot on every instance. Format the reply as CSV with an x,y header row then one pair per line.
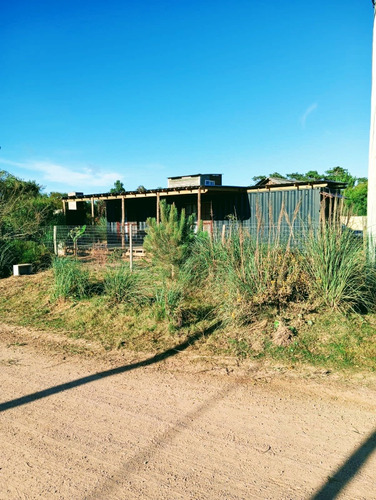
x,y
276,182
273,181
269,183
180,190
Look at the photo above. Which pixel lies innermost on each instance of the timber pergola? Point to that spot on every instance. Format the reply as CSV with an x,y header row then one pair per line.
x,y
152,193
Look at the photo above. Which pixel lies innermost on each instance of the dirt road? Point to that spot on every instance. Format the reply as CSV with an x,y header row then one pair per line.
x,y
112,427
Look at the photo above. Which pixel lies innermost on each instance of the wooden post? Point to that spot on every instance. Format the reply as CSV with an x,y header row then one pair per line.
x,y
199,206
158,201
211,230
223,234
130,247
55,240
64,208
92,210
122,222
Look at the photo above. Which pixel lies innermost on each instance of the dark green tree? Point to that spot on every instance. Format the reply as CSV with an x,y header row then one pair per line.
x,y
356,198
340,174
311,175
295,176
277,175
118,187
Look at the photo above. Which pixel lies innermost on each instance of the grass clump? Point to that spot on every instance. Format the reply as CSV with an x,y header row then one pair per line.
x,y
70,279
123,286
168,302
341,275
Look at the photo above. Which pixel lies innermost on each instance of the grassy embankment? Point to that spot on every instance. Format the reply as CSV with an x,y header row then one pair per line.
x,y
309,303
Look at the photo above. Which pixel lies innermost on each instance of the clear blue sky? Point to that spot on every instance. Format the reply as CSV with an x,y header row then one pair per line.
x,y
94,91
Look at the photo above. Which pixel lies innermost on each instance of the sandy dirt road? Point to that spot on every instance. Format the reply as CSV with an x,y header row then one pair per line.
x,y
110,427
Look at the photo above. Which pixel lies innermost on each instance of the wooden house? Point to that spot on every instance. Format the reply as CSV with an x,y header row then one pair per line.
x,y
211,202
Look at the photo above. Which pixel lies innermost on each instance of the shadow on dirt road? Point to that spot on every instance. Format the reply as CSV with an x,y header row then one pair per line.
x,y
336,482
7,405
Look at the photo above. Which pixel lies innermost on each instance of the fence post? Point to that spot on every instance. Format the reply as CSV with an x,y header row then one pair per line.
x,y
92,211
130,247
223,234
55,240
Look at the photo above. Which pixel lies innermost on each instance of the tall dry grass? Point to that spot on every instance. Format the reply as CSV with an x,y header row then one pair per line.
x,y
71,280
341,275
320,265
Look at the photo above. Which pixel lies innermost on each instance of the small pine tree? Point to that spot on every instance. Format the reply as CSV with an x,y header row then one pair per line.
x,y
169,242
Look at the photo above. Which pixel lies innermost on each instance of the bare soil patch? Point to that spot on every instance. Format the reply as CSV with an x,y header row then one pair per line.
x,y
79,422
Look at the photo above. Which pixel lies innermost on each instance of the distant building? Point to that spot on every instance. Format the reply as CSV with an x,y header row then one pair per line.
x,y
211,202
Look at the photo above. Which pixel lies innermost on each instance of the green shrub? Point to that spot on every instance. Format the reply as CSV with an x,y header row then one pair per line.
x,y
6,258
22,252
31,252
122,285
70,279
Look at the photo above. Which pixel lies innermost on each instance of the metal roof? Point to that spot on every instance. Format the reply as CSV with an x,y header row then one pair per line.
x,y
283,183
261,185
153,192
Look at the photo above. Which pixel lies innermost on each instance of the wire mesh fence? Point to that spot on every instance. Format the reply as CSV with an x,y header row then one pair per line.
x,y
62,240
278,233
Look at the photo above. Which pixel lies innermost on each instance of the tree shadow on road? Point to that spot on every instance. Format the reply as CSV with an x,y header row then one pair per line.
x,y
336,482
191,340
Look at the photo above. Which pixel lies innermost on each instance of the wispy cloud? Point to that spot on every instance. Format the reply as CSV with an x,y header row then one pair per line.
x,y
307,112
70,176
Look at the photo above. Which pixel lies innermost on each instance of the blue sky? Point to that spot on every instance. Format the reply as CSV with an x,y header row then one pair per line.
x,y
91,92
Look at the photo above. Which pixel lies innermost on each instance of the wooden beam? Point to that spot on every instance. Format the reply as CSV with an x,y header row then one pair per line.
x,y
165,192
92,210
199,205
123,222
158,208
